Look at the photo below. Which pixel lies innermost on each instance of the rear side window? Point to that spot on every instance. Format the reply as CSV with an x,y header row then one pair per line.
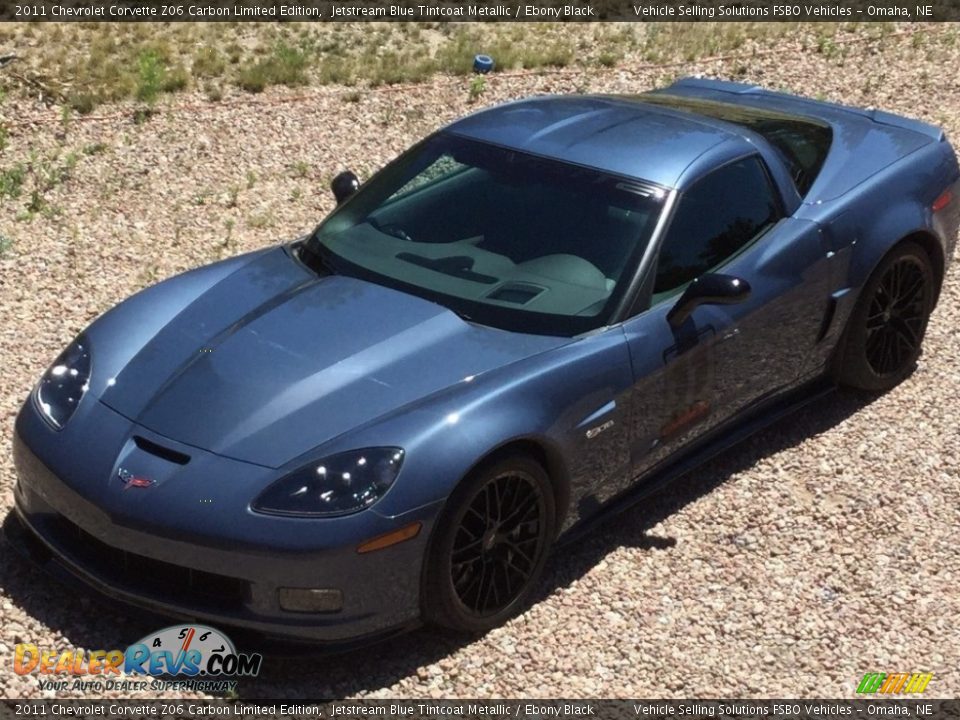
x,y
802,142
715,219
802,145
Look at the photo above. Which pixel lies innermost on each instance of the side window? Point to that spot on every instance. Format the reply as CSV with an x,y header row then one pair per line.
x,y
714,220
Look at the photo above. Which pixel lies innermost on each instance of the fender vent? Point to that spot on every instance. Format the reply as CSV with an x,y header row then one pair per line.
x,y
160,451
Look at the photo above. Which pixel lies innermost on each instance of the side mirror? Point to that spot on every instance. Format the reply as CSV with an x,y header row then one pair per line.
x,y
709,289
344,185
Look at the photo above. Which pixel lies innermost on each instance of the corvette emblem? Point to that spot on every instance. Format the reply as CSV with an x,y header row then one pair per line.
x,y
130,480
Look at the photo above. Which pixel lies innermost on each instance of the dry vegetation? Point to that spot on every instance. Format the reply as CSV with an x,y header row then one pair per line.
x,y
83,65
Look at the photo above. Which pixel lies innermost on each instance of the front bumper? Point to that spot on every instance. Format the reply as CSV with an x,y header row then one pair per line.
x,y
229,572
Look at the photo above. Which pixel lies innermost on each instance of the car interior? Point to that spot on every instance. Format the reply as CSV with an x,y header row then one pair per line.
x,y
505,240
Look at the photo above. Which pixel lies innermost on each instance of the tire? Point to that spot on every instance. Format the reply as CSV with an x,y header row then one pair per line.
x,y
490,546
884,335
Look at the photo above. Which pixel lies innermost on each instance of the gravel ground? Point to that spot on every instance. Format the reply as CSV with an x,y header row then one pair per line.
x,y
821,549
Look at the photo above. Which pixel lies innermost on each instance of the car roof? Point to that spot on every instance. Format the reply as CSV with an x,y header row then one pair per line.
x,y
621,135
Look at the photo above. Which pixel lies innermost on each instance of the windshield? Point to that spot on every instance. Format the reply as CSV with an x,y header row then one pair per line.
x,y
501,237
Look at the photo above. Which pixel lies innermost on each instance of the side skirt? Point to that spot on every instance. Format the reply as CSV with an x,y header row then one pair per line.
x,y
750,421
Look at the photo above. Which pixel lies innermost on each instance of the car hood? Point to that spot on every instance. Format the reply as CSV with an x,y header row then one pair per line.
x,y
273,361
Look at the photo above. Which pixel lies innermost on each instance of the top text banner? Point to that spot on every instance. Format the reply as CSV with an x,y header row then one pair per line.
x,y
512,709
478,10
506,709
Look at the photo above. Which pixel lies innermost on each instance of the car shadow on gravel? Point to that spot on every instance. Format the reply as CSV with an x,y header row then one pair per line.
x,y
630,528
83,619
285,674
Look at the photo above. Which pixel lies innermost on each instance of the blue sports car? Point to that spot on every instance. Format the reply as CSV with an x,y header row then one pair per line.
x,y
529,319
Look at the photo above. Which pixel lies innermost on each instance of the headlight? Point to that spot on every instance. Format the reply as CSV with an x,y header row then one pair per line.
x,y
59,391
337,485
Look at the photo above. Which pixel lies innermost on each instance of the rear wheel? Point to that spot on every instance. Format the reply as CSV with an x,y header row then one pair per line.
x,y
883,339
490,546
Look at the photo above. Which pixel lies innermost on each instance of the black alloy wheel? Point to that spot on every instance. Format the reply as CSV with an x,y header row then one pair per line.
x,y
897,316
491,546
498,542
884,337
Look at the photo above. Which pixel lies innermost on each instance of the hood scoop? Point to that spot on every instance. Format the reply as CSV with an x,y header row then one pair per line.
x,y
263,368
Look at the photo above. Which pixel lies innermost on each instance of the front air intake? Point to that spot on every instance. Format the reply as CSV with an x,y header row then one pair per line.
x,y
160,451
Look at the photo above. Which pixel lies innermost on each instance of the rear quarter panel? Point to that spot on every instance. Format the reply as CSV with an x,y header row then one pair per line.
x,y
861,226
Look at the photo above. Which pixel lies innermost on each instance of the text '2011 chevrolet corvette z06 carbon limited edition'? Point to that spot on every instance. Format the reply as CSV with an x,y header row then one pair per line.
x,y
532,317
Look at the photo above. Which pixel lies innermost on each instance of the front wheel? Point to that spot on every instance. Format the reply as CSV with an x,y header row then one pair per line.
x,y
490,546
883,339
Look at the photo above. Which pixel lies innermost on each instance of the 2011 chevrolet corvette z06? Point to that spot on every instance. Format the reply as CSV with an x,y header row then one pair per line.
x,y
527,320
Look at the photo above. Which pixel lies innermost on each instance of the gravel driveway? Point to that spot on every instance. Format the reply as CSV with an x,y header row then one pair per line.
x,y
821,549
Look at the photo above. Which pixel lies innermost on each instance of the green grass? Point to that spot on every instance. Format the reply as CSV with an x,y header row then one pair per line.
x,y
6,245
286,65
150,78
478,86
85,67
11,181
35,180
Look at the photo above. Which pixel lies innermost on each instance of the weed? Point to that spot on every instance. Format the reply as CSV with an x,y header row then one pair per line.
x,y
154,78
251,179
213,92
98,148
208,62
6,245
261,220
286,65
229,224
391,68
150,76
338,71
827,47
176,80
44,174
301,169
141,115
11,181
478,86
386,117
37,202
607,59
142,62
82,102
148,275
